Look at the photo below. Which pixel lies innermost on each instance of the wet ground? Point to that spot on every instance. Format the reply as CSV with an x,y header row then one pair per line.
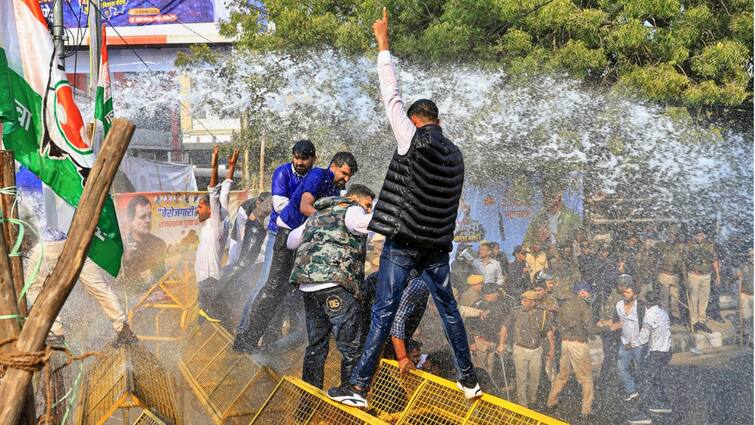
x,y
709,389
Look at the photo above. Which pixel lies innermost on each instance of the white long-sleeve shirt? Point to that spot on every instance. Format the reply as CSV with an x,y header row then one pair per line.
x,y
356,221
403,128
630,330
214,234
490,271
656,329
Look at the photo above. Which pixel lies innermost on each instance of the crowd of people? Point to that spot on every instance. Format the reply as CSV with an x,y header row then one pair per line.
x,y
363,268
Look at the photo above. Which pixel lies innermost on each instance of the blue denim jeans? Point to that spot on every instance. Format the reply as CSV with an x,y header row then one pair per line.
x,y
396,262
627,357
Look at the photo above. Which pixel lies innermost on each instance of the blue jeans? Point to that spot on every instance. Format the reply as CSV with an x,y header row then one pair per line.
x,y
264,273
626,357
396,262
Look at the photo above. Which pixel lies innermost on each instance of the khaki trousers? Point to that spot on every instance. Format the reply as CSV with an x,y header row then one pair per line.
x,y
96,281
574,355
698,286
668,284
527,364
484,356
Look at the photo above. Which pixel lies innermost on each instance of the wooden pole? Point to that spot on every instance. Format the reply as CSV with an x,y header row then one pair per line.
x,y
9,209
11,276
60,282
262,164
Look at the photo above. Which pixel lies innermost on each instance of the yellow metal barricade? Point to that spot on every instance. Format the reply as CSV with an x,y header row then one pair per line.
x,y
420,398
127,386
230,385
294,402
164,313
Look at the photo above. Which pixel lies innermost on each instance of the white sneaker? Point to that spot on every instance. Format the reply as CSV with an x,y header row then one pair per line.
x,y
470,393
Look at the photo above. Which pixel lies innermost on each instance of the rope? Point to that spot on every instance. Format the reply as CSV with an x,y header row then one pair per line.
x,y
34,361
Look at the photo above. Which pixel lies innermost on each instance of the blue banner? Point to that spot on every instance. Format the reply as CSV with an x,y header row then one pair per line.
x,y
125,13
502,212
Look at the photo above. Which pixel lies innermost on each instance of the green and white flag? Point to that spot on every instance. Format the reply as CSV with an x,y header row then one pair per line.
x,y
42,125
103,101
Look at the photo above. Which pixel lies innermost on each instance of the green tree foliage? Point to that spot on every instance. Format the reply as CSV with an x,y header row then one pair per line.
x,y
682,52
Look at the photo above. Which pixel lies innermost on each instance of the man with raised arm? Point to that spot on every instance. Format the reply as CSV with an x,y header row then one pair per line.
x,y
213,212
416,212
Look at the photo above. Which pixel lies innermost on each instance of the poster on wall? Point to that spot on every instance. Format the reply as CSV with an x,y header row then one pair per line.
x,y
174,214
504,212
125,13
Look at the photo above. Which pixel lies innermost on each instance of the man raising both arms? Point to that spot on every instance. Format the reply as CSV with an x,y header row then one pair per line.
x,y
416,211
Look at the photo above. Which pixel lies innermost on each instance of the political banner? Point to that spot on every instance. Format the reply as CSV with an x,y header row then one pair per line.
x,y
502,212
174,214
126,13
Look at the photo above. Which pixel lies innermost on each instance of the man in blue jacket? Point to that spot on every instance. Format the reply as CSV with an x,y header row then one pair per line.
x,y
285,181
319,183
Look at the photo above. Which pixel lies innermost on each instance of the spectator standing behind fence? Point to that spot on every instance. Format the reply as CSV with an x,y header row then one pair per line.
x,y
574,324
416,211
701,262
671,269
527,326
213,212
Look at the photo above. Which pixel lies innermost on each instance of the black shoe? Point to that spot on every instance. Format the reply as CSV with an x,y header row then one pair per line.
x,y
349,396
703,328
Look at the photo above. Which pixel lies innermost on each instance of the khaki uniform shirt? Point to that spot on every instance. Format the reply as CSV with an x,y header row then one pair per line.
x,y
700,257
527,328
671,257
574,320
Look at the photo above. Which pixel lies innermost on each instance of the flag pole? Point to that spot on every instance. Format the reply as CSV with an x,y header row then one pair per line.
x,y
60,282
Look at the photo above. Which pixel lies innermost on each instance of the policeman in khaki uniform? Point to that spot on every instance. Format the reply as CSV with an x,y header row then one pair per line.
x,y
701,261
527,326
671,269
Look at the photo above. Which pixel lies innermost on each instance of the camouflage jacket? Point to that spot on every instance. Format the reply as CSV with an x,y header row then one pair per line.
x,y
329,252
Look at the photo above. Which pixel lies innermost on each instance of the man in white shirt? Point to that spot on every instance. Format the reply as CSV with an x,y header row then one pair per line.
x,y
213,212
628,316
656,333
329,270
489,268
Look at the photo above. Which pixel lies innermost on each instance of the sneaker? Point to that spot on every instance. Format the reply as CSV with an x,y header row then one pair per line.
x,y
470,393
349,396
632,396
640,418
703,328
660,409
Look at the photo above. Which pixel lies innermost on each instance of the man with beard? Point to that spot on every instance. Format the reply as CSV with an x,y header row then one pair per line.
x,y
319,183
416,211
286,179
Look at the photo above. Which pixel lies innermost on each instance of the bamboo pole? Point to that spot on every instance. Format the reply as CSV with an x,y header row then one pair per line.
x,y
59,283
10,210
11,279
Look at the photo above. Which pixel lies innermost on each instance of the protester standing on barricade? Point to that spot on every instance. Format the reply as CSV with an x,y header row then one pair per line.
x,y
286,178
213,212
329,269
319,183
416,212
527,326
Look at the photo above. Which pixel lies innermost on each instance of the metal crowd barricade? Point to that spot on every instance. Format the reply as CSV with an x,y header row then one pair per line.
x,y
295,402
166,311
127,386
230,385
420,398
